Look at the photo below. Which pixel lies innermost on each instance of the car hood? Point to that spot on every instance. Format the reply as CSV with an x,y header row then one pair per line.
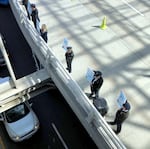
x,y
22,126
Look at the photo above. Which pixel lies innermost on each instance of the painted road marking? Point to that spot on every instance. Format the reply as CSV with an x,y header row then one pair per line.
x,y
133,8
60,137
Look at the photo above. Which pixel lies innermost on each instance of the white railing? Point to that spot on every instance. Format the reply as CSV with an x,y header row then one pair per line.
x,y
90,118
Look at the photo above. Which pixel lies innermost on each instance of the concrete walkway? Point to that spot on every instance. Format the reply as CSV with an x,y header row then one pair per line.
x,y
121,52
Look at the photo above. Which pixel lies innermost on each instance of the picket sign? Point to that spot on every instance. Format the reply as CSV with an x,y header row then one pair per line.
x,y
29,8
121,99
38,26
65,44
89,75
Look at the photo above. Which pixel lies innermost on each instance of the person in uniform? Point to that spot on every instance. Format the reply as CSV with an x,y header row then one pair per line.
x,y
121,115
34,15
26,4
96,84
69,57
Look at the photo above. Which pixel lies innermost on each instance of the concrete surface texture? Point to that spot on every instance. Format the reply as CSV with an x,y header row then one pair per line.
x,y
121,52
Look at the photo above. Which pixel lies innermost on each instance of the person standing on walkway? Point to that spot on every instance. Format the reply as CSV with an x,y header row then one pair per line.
x,y
96,84
34,15
121,115
69,57
27,6
43,32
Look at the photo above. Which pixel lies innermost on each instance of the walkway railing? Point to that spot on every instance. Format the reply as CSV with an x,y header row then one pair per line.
x,y
90,118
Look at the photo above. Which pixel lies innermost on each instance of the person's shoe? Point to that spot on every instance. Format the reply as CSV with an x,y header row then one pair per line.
x,y
111,123
116,132
68,70
90,95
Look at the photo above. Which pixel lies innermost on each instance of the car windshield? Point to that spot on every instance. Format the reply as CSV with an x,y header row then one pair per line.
x,y
16,113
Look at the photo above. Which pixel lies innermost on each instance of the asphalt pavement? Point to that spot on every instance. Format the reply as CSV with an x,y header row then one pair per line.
x,y
16,45
121,52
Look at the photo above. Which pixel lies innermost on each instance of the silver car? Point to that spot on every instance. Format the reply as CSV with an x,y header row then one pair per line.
x,y
20,122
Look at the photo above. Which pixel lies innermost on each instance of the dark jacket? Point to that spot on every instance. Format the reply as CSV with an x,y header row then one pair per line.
x,y
123,113
34,15
97,83
44,36
25,3
69,55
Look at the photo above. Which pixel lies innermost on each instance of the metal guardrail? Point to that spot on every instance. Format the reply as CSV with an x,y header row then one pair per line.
x,y
90,118
5,55
30,85
14,91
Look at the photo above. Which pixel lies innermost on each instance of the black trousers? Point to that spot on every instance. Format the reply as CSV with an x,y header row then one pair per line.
x,y
94,91
28,14
69,63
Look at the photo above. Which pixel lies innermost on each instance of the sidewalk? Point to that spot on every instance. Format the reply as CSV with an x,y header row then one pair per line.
x,y
124,66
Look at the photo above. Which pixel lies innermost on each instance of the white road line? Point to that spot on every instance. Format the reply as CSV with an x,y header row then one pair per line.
x,y
133,8
60,137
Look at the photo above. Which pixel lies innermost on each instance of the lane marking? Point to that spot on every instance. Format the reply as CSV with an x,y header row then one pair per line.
x,y
59,136
133,8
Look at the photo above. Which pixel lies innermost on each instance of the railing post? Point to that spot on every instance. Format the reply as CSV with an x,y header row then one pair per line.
x,y
12,74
